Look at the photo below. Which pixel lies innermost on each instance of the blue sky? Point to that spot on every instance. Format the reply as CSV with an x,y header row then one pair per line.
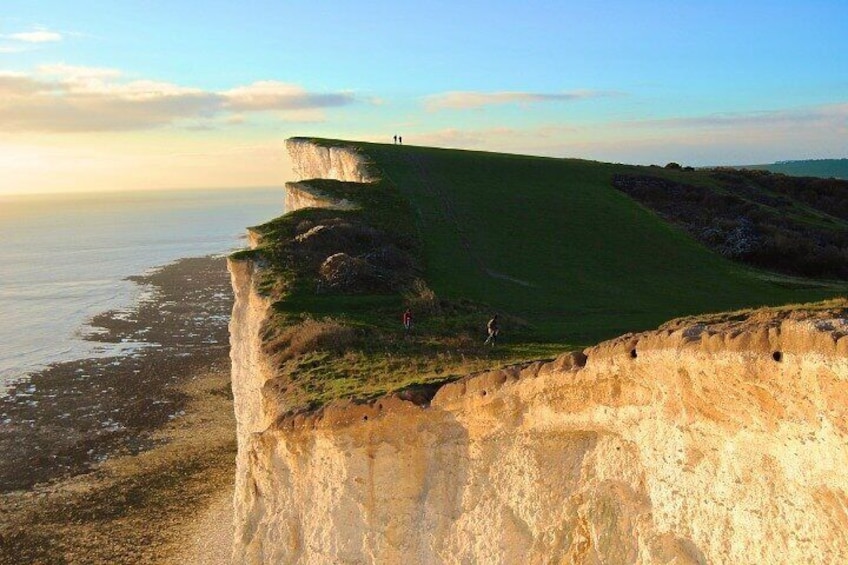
x,y
92,94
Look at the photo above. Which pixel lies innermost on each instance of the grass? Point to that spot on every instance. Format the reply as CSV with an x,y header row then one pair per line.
x,y
591,262
549,244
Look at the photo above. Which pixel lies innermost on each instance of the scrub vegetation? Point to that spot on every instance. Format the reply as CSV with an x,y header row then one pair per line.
x,y
793,225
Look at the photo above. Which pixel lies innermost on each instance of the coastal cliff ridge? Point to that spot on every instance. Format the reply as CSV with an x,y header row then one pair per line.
x,y
714,438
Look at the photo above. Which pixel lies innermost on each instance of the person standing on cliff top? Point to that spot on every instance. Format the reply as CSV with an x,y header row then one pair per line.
x,y
395,140
494,330
407,320
400,140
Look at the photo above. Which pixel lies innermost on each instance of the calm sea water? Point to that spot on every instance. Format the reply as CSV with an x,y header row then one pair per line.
x,y
64,259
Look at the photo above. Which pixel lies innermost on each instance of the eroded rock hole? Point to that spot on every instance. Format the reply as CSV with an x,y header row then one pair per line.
x,y
777,356
365,418
483,393
633,353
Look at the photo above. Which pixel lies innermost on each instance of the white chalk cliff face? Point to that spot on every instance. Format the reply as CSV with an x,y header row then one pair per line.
x,y
304,195
315,161
724,443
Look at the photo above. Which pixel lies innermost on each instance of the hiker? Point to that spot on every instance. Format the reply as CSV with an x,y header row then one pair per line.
x,y
493,328
395,140
407,320
400,140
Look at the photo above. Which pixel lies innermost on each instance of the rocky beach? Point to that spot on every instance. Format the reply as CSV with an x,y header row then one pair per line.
x,y
118,459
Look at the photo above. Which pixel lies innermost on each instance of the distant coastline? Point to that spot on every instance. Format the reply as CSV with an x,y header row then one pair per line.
x,y
823,168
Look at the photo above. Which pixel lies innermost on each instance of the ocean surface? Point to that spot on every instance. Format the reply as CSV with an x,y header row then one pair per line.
x,y
65,258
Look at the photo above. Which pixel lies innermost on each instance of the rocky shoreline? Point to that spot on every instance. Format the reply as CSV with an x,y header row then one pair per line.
x,y
96,446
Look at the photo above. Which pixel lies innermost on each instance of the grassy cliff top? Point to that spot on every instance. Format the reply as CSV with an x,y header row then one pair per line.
x,y
552,242
549,244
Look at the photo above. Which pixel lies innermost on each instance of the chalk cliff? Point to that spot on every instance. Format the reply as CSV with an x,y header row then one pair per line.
x,y
304,195
315,161
312,160
706,441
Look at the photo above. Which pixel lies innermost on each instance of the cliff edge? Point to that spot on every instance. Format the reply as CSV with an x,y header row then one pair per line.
x,y
719,439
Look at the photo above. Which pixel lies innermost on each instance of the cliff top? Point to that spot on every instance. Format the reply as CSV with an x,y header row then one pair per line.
x,y
763,335
563,257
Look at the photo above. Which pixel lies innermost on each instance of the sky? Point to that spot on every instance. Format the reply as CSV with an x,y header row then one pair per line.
x,y
98,95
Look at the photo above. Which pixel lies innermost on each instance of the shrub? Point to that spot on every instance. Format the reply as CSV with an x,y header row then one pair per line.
x,y
310,335
421,299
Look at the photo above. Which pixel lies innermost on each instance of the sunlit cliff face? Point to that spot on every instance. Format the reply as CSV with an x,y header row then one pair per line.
x,y
693,445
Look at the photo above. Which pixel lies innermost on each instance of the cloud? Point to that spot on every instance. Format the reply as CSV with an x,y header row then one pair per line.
x,y
824,115
751,137
272,95
464,100
12,84
40,35
66,98
711,139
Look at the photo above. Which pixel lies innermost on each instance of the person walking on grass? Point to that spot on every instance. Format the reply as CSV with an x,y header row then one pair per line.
x,y
493,329
407,320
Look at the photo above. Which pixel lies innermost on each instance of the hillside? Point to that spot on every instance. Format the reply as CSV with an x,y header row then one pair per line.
x,y
792,225
550,241
822,168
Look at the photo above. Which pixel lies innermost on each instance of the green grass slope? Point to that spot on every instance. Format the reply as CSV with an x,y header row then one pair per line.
x,y
551,242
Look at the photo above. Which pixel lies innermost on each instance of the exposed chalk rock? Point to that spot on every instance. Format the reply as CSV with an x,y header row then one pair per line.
x,y
313,160
303,195
687,452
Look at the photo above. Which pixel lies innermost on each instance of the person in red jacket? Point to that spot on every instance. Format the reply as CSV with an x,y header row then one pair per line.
x,y
407,320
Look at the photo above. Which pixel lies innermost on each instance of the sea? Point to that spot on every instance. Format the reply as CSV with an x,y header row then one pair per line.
x,y
66,258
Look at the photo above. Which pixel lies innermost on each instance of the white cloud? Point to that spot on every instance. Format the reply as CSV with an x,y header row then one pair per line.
x,y
715,139
272,95
15,84
67,98
464,100
824,115
37,36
